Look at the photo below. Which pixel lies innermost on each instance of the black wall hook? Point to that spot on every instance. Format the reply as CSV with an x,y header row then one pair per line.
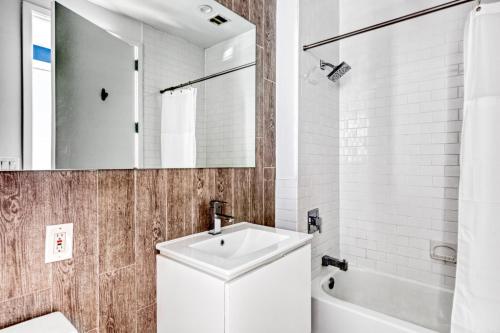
x,y
104,94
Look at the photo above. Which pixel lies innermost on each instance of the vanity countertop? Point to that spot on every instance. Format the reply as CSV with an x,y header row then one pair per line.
x,y
238,249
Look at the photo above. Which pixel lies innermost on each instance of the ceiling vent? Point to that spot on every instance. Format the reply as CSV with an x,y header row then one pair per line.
x,y
218,20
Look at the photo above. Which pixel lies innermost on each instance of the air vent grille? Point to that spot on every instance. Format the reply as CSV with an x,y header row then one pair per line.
x,y
218,20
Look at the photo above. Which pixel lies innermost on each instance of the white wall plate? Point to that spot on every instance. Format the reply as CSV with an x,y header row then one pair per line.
x,y
58,242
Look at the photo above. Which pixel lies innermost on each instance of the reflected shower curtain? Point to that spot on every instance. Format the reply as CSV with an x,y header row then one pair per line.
x,y
178,129
476,306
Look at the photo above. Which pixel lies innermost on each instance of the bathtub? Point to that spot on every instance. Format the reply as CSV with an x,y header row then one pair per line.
x,y
364,301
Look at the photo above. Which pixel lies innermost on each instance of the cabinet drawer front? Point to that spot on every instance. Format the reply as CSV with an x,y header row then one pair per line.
x,y
188,301
273,299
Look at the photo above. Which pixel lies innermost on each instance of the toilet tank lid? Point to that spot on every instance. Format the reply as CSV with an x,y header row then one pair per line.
x,y
54,323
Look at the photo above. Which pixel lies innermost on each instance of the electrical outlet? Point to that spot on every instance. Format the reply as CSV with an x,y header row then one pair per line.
x,y
9,163
58,242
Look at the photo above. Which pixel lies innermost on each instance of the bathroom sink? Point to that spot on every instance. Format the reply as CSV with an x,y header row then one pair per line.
x,y
239,243
237,250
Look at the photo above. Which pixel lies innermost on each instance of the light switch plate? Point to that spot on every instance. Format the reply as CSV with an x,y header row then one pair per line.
x,y
58,242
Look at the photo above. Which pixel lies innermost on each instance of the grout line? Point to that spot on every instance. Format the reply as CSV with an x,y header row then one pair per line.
x,y
28,294
118,269
146,306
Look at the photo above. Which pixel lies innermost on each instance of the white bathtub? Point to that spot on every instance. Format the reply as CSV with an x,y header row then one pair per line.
x,y
364,301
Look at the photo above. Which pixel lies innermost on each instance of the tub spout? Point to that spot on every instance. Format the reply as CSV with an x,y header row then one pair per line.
x,y
343,265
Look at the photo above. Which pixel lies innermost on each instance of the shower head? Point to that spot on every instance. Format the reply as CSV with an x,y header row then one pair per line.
x,y
337,72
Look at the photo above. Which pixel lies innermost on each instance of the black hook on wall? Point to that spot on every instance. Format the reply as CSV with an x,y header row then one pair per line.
x,y
104,94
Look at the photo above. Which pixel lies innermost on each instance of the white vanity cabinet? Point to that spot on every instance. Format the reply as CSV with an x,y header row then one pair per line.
x,y
273,297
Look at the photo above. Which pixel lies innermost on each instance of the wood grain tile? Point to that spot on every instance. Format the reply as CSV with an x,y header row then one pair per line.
x,y
146,320
23,308
269,194
116,220
269,124
179,203
150,226
242,8
270,40
259,94
24,213
204,187
256,16
258,184
226,3
117,301
74,288
243,202
224,181
74,282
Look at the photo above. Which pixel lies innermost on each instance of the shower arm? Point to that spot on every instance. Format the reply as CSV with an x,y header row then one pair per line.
x,y
323,64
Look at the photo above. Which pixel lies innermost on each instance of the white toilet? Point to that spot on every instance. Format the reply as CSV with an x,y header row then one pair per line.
x,y
52,323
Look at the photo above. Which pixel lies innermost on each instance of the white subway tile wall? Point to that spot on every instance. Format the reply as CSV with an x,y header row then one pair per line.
x,y
230,103
225,127
318,168
400,122
168,61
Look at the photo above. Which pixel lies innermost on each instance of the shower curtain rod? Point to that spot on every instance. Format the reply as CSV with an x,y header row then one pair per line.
x,y
388,23
234,69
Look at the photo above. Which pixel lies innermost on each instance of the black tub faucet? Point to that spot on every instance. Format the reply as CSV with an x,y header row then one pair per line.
x,y
343,265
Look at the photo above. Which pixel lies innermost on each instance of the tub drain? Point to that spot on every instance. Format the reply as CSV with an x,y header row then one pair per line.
x,y
331,283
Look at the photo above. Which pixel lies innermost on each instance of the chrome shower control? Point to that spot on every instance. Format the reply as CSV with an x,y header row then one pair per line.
x,y
313,221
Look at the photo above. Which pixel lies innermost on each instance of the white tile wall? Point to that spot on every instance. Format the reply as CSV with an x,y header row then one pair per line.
x,y
230,103
286,204
168,61
400,122
318,132
287,113
225,127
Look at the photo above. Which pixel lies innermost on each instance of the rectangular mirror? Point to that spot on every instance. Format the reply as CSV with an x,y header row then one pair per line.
x,y
121,84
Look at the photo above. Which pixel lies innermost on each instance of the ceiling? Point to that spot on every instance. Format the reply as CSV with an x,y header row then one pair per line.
x,y
182,18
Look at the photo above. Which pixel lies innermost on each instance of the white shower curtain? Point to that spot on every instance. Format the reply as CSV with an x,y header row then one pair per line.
x,y
178,129
476,306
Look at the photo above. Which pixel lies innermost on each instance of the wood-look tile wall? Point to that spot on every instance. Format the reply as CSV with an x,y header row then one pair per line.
x,y
119,216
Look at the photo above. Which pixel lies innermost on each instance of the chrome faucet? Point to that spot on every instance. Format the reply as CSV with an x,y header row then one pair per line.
x,y
216,216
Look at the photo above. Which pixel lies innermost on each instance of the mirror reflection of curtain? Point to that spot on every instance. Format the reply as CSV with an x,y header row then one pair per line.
x,y
178,129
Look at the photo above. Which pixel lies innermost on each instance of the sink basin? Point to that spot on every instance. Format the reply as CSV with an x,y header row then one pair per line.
x,y
237,250
239,243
